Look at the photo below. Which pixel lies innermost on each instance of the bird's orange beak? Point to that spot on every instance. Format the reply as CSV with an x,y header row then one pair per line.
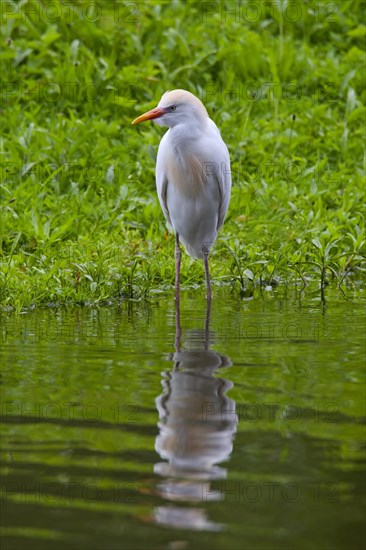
x,y
154,113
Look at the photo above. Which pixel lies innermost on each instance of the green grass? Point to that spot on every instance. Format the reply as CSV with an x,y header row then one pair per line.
x,y
80,220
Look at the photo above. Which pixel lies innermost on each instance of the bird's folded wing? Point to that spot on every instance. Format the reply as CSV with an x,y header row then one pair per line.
x,y
223,179
162,191
220,159
162,177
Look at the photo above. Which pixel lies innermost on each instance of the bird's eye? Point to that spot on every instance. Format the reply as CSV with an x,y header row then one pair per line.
x,y
173,107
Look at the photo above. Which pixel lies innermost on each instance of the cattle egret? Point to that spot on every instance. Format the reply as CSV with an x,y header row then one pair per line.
x,y
193,176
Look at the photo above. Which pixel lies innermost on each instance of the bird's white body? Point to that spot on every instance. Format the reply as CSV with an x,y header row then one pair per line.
x,y
193,181
193,176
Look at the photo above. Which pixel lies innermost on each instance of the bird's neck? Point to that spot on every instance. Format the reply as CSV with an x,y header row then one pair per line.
x,y
183,136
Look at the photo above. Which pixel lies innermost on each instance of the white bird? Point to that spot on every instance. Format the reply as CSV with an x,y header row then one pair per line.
x,y
193,177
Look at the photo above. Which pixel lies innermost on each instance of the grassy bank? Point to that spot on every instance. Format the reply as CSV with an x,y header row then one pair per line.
x,y
284,81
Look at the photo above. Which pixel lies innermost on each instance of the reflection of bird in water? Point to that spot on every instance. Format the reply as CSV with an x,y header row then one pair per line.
x,y
197,419
197,423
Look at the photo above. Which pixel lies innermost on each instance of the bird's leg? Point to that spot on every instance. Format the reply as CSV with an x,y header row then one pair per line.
x,y
208,282
207,324
177,293
177,267
177,325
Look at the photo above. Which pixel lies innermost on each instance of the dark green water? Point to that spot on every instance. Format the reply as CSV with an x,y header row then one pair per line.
x,y
249,436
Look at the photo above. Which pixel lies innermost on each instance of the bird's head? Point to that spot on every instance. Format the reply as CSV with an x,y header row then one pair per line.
x,y
176,107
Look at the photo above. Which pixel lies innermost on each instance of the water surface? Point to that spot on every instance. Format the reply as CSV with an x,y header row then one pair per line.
x,y
119,431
